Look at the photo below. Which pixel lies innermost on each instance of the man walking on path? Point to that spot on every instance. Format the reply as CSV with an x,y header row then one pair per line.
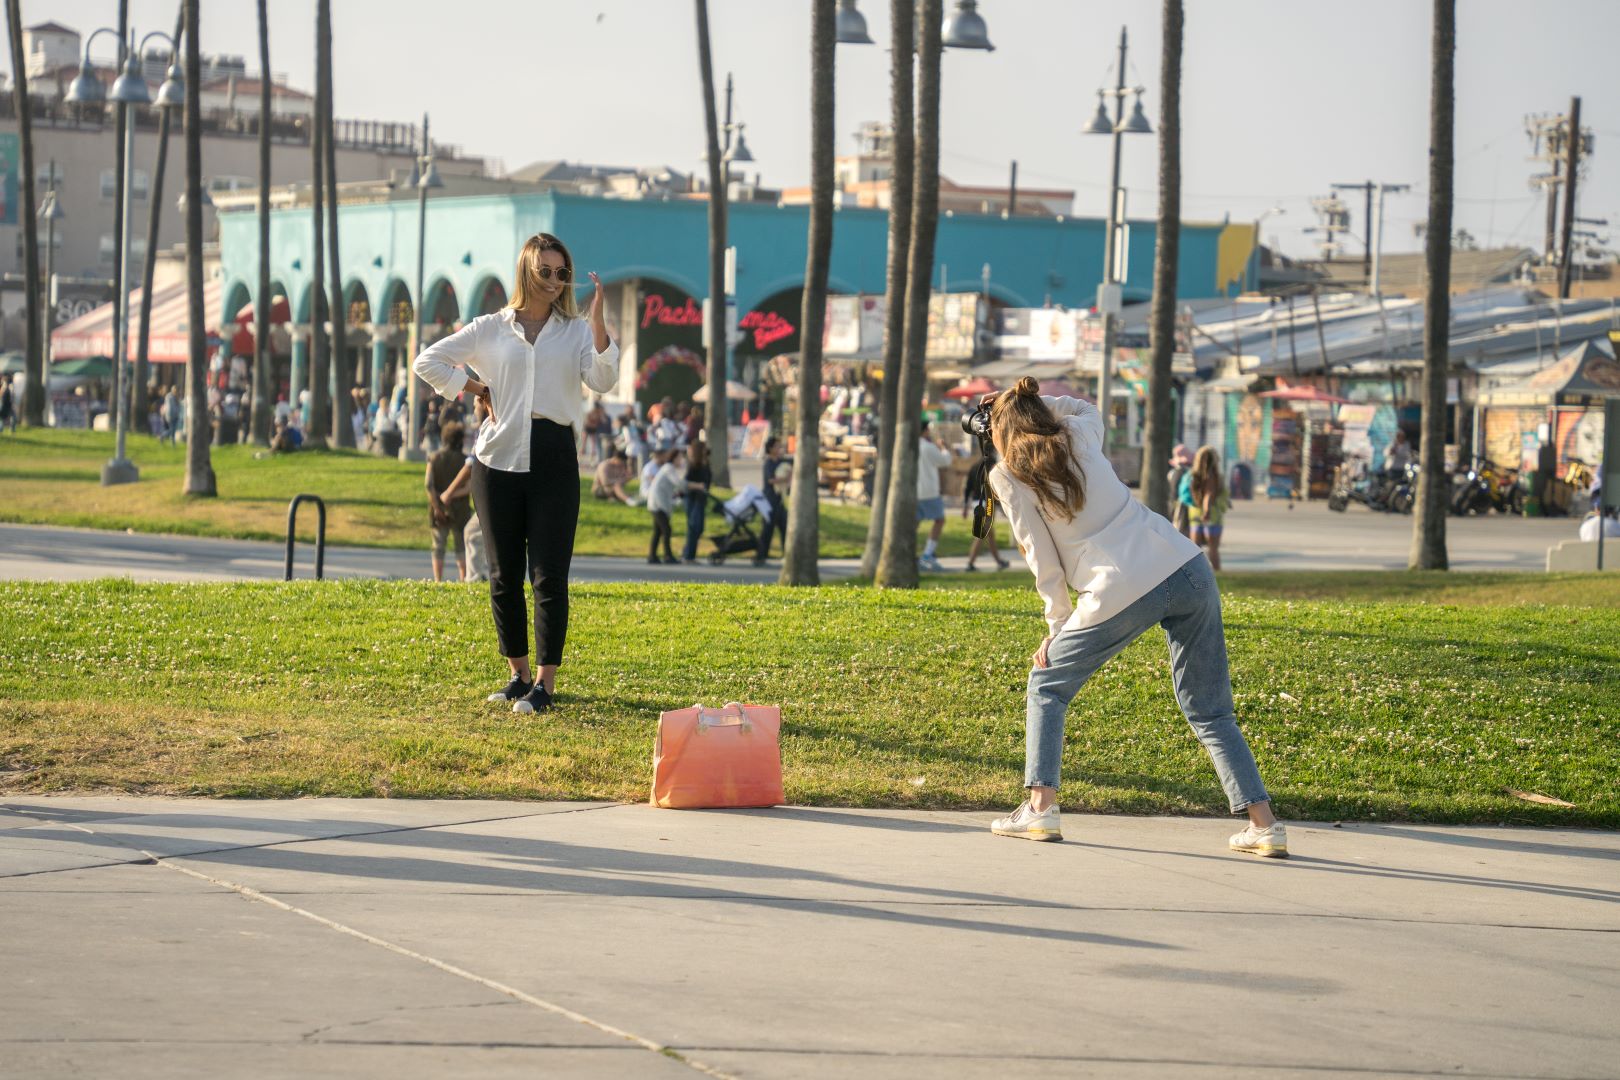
x,y
931,458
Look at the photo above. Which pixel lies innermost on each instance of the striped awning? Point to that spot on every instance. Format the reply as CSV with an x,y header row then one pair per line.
x,y
92,333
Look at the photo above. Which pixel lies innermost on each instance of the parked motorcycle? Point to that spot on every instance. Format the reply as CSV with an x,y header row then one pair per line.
x,y
1389,491
1487,486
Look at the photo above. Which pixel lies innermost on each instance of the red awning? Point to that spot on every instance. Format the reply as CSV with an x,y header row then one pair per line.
x,y
92,333
279,311
1304,393
976,387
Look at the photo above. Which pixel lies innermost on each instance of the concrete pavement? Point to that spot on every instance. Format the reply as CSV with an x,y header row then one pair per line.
x,y
164,937
1261,535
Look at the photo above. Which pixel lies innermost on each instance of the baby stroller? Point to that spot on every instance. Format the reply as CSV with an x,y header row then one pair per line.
x,y
737,512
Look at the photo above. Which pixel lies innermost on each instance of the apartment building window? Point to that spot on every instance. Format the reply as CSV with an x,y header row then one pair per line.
x,y
140,184
56,244
109,249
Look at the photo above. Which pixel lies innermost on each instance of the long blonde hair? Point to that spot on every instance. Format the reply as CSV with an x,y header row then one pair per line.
x,y
1035,448
1206,475
526,284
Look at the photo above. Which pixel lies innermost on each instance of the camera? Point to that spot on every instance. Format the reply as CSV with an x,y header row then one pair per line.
x,y
976,422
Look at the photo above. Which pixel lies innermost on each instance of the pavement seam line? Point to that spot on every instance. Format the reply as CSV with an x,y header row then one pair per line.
x,y
145,857
250,893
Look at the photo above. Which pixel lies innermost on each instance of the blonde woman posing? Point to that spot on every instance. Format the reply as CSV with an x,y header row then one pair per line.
x,y
1080,528
531,358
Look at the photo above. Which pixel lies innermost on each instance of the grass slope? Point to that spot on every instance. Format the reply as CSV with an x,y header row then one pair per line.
x,y
52,477
1368,711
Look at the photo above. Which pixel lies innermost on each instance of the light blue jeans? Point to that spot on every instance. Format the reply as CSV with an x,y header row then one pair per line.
x,y
1188,605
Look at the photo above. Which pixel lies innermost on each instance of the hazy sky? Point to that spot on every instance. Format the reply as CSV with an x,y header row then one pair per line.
x,y
1281,98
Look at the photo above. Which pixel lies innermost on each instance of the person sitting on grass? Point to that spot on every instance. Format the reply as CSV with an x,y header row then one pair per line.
x,y
611,476
448,517
1080,528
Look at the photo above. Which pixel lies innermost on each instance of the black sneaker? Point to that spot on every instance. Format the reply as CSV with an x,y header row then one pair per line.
x,y
515,689
535,701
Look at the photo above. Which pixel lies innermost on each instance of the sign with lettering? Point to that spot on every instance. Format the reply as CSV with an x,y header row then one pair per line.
x,y
10,151
772,327
667,317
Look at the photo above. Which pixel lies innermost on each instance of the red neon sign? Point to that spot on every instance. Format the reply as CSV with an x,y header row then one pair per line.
x,y
767,326
656,309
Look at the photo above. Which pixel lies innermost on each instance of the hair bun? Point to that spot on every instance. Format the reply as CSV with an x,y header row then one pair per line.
x,y
1027,387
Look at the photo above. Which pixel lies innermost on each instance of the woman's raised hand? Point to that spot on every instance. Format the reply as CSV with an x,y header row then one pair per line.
x,y
596,298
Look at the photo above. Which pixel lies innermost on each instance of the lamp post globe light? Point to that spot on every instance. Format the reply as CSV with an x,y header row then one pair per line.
x,y
851,25
1109,296
424,178
964,28
129,89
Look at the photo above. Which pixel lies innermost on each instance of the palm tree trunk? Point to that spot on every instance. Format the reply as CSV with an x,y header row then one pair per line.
x,y
1429,517
33,403
1161,421
154,218
319,373
199,463
263,353
804,519
342,382
716,412
902,24
897,566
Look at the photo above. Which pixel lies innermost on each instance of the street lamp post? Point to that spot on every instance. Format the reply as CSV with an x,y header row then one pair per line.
x,y
129,89
424,176
1108,297
50,212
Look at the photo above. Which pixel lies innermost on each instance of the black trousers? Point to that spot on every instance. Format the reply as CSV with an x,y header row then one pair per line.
x,y
662,531
777,524
529,521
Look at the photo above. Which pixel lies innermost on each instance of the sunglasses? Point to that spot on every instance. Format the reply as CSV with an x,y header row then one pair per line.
x,y
562,274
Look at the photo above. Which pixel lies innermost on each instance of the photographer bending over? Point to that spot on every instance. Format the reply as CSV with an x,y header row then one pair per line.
x,y
1080,528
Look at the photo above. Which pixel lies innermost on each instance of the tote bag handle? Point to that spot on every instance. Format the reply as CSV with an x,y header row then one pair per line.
x,y
730,715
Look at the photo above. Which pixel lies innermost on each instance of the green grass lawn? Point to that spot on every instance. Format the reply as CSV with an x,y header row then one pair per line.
x,y
53,477
1389,710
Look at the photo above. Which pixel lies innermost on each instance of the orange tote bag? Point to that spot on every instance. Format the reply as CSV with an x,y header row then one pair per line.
x,y
718,757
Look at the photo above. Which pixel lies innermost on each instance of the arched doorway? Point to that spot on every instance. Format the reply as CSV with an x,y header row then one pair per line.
x,y
489,296
357,326
769,329
669,343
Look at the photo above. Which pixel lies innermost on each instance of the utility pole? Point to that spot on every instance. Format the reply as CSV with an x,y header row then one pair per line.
x,y
1374,191
1572,174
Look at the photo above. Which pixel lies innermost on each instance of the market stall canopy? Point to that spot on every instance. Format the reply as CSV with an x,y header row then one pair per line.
x,y
1306,394
280,311
92,333
973,388
1585,375
1062,388
735,391
83,367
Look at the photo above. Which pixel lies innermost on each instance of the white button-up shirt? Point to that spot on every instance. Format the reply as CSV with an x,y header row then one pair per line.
x,y
1112,553
523,379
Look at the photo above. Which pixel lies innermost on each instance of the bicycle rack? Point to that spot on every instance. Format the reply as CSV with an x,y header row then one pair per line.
x,y
320,533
